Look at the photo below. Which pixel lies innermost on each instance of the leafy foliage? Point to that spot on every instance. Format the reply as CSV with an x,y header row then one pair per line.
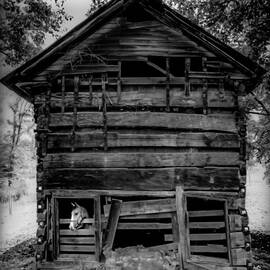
x,y
24,25
244,25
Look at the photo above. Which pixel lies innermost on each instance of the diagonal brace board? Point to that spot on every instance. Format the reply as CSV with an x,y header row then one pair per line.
x,y
112,224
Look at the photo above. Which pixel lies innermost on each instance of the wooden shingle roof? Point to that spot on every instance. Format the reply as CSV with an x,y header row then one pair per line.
x,y
161,12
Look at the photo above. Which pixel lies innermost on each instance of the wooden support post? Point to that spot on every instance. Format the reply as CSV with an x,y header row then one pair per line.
x,y
167,84
187,81
104,110
98,235
54,243
90,90
180,206
175,228
119,82
63,95
112,224
205,87
57,229
75,110
48,228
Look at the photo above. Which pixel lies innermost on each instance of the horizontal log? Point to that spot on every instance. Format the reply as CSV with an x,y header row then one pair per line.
x,y
148,216
239,256
237,239
206,213
211,122
144,226
207,236
207,225
90,193
85,221
237,222
95,139
80,232
143,96
142,179
77,248
140,160
144,207
77,240
208,249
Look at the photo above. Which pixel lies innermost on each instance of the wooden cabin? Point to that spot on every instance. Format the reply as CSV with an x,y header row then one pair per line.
x,y
140,120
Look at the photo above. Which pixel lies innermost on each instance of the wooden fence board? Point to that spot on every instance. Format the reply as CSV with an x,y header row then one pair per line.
x,y
81,232
207,236
144,207
144,226
208,249
77,240
77,248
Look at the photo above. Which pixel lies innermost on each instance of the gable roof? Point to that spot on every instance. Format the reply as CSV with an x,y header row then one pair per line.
x,y
159,11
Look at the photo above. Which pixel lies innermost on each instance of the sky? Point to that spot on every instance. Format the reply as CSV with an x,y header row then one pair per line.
x,y
75,8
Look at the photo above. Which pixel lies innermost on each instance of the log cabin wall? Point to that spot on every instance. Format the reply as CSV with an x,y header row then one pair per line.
x,y
138,106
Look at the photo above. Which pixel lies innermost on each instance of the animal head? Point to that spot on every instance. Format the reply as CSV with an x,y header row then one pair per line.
x,y
78,214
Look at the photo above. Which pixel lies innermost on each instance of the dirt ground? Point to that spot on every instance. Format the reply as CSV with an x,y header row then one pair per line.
x,y
21,257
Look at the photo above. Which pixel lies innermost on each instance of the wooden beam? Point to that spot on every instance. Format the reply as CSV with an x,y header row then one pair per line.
x,y
143,179
143,207
104,110
187,81
112,224
76,248
180,206
94,139
98,229
211,122
144,226
140,159
63,95
208,249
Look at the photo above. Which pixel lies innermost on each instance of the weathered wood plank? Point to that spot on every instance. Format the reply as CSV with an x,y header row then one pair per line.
x,y
237,239
237,222
206,213
140,160
77,240
207,236
144,226
208,249
77,248
207,225
211,122
144,207
239,256
85,221
143,179
180,203
80,232
112,224
148,216
157,139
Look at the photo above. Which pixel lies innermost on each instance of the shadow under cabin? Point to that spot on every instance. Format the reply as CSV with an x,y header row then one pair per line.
x,y
140,121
